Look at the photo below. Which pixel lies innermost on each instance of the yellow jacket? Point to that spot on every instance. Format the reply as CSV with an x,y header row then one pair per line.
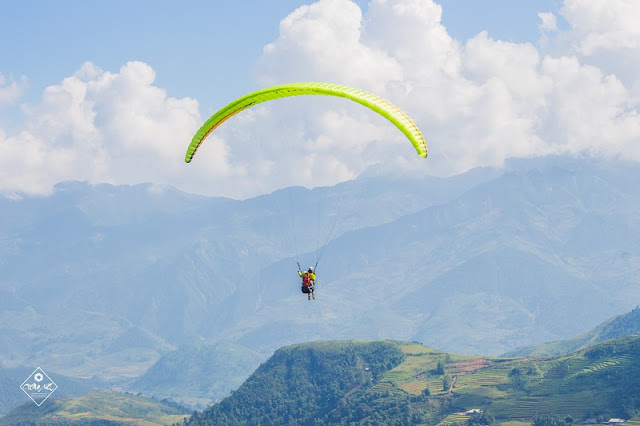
x,y
312,275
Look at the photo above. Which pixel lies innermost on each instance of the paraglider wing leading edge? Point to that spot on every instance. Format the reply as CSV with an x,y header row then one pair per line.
x,y
374,102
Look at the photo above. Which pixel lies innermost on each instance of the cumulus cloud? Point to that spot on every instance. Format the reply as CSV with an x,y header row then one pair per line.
x,y
101,127
548,21
10,91
604,33
603,24
326,35
478,102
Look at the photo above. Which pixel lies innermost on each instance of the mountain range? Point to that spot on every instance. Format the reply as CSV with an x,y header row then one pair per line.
x,y
620,325
106,281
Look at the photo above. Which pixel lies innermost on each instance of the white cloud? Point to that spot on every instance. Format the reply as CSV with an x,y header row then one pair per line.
x,y
326,35
412,34
603,24
99,126
604,33
477,103
548,21
10,91
589,111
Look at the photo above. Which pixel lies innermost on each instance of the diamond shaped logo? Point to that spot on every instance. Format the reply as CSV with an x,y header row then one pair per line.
x,y
38,386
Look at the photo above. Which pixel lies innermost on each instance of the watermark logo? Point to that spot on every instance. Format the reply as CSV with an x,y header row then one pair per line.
x,y
38,386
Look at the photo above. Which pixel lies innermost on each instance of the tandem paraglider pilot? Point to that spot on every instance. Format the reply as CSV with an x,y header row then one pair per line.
x,y
308,282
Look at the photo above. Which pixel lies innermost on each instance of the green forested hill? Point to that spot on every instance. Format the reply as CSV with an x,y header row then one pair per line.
x,y
302,383
407,383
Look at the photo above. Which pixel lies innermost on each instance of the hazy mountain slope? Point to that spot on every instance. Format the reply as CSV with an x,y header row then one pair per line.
x,y
618,326
83,267
111,278
197,376
11,394
496,268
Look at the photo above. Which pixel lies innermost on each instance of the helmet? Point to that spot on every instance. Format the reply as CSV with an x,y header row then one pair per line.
x,y
310,269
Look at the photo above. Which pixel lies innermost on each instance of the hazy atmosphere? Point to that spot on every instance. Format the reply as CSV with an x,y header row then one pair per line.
x,y
496,281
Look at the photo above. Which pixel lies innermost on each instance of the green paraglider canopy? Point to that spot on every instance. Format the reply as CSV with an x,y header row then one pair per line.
x,y
374,102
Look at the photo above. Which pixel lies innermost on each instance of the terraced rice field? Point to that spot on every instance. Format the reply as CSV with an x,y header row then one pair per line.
x,y
435,386
572,375
576,405
454,418
396,375
384,387
414,388
618,362
468,398
415,365
466,367
483,378
514,389
524,407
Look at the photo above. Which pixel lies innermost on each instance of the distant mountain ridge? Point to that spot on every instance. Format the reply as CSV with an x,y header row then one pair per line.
x,y
195,376
113,278
618,326
113,258
11,394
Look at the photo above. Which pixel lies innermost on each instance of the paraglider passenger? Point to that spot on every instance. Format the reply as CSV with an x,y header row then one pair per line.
x,y
308,282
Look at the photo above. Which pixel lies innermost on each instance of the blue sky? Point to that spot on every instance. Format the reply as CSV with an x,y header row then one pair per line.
x,y
201,49
515,21
112,91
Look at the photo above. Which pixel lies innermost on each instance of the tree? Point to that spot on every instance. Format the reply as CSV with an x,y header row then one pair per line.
x,y
446,383
481,418
547,421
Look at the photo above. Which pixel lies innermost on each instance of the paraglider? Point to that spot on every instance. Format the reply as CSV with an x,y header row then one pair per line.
x,y
308,281
369,100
